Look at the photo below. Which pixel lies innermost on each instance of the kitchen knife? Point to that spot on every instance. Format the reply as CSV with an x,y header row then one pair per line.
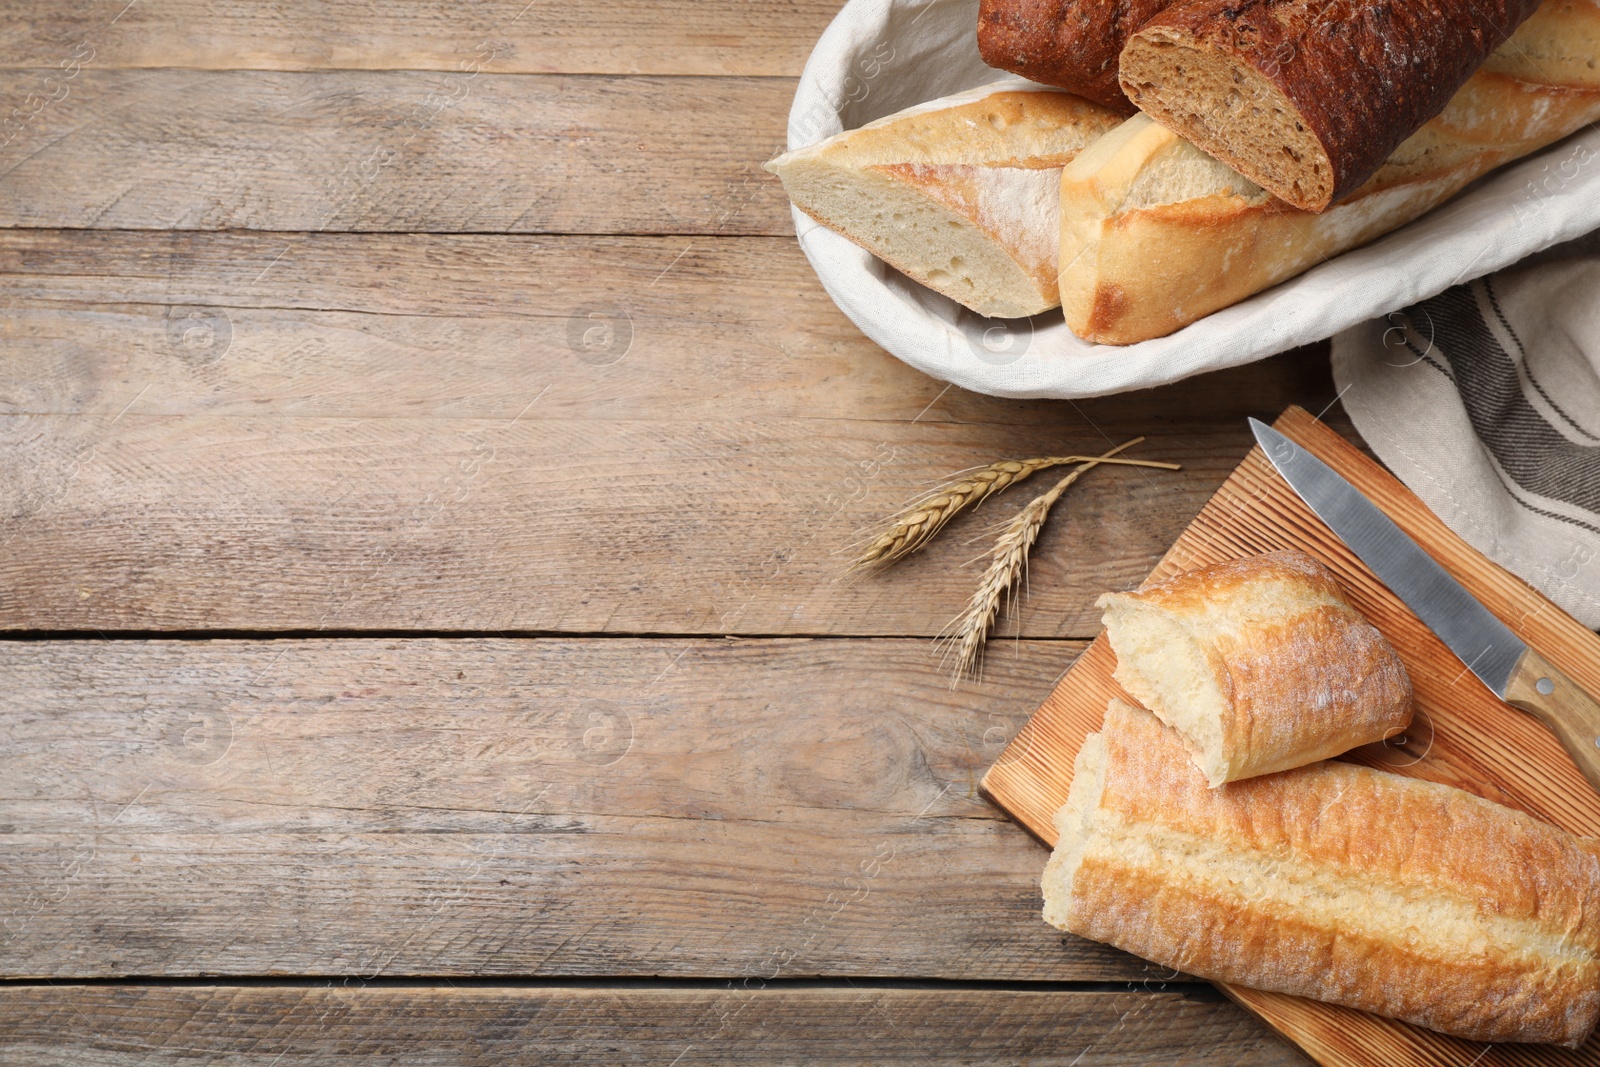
x,y
1502,661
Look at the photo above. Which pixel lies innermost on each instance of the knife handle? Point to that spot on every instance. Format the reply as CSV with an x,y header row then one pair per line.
x,y
1561,704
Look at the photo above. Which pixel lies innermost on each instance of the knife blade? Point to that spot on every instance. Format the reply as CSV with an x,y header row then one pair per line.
x,y
1482,641
1499,658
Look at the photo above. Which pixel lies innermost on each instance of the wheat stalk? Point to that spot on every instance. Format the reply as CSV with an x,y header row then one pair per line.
x,y
1006,563
916,524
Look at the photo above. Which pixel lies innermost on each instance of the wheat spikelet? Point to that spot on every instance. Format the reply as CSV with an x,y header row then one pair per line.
x,y
1010,555
915,525
1006,564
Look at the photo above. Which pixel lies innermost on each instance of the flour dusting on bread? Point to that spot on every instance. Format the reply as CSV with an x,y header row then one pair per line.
x,y
961,194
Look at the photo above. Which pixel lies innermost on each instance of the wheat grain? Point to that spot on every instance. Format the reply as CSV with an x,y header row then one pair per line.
x,y
914,526
1006,564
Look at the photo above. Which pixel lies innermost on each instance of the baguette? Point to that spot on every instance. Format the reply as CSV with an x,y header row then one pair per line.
x,y
1342,883
1259,664
1307,98
1156,234
1073,44
961,194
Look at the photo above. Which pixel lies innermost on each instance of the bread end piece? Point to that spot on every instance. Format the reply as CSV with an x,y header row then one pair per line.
x,y
1154,235
961,194
1259,664
1231,111
1307,98
926,221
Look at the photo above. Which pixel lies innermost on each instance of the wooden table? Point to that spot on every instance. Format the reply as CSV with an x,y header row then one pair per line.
x,y
428,461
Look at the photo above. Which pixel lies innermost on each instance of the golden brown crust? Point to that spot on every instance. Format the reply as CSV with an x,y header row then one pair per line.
x,y
1300,674
1174,263
1342,883
961,194
993,127
1556,46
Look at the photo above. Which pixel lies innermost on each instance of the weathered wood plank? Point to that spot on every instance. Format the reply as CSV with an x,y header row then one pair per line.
x,y
437,325
386,432
266,523
86,1026
524,807
717,37
734,356
394,151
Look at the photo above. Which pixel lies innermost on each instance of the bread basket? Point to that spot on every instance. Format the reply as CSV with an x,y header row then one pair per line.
x,y
880,56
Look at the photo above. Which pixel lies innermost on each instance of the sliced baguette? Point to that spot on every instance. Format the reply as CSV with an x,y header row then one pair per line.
x,y
1342,883
1156,234
1260,664
961,194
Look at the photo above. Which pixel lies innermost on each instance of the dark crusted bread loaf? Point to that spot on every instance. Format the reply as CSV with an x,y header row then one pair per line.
x,y
1307,98
1071,44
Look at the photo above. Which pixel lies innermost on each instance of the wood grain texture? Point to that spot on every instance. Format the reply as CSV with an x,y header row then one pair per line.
x,y
1463,736
716,37
410,151
355,432
376,325
309,428
316,1026
518,807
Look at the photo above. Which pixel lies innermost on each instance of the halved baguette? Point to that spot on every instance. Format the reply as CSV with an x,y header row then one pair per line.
x,y
1342,883
1156,234
1260,664
961,194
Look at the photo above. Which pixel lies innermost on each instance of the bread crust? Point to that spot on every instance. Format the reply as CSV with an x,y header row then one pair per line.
x,y
1137,269
1071,44
961,194
1342,883
1301,675
1361,76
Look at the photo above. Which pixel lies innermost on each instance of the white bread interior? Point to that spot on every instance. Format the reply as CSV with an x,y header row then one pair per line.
x,y
961,194
1162,664
1259,664
1075,825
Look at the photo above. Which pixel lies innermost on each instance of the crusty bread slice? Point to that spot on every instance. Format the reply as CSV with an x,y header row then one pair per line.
x,y
1342,883
961,194
1307,98
1259,663
1156,234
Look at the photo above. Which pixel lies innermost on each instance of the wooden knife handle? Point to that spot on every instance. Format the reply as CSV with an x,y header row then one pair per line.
x,y
1561,704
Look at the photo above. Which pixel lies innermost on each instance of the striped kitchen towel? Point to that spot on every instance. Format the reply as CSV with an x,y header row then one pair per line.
x,y
1485,400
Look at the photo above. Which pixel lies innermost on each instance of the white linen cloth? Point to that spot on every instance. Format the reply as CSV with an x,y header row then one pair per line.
x,y
1485,400
880,56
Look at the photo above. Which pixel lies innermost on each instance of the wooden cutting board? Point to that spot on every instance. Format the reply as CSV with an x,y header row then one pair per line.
x,y
1462,735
